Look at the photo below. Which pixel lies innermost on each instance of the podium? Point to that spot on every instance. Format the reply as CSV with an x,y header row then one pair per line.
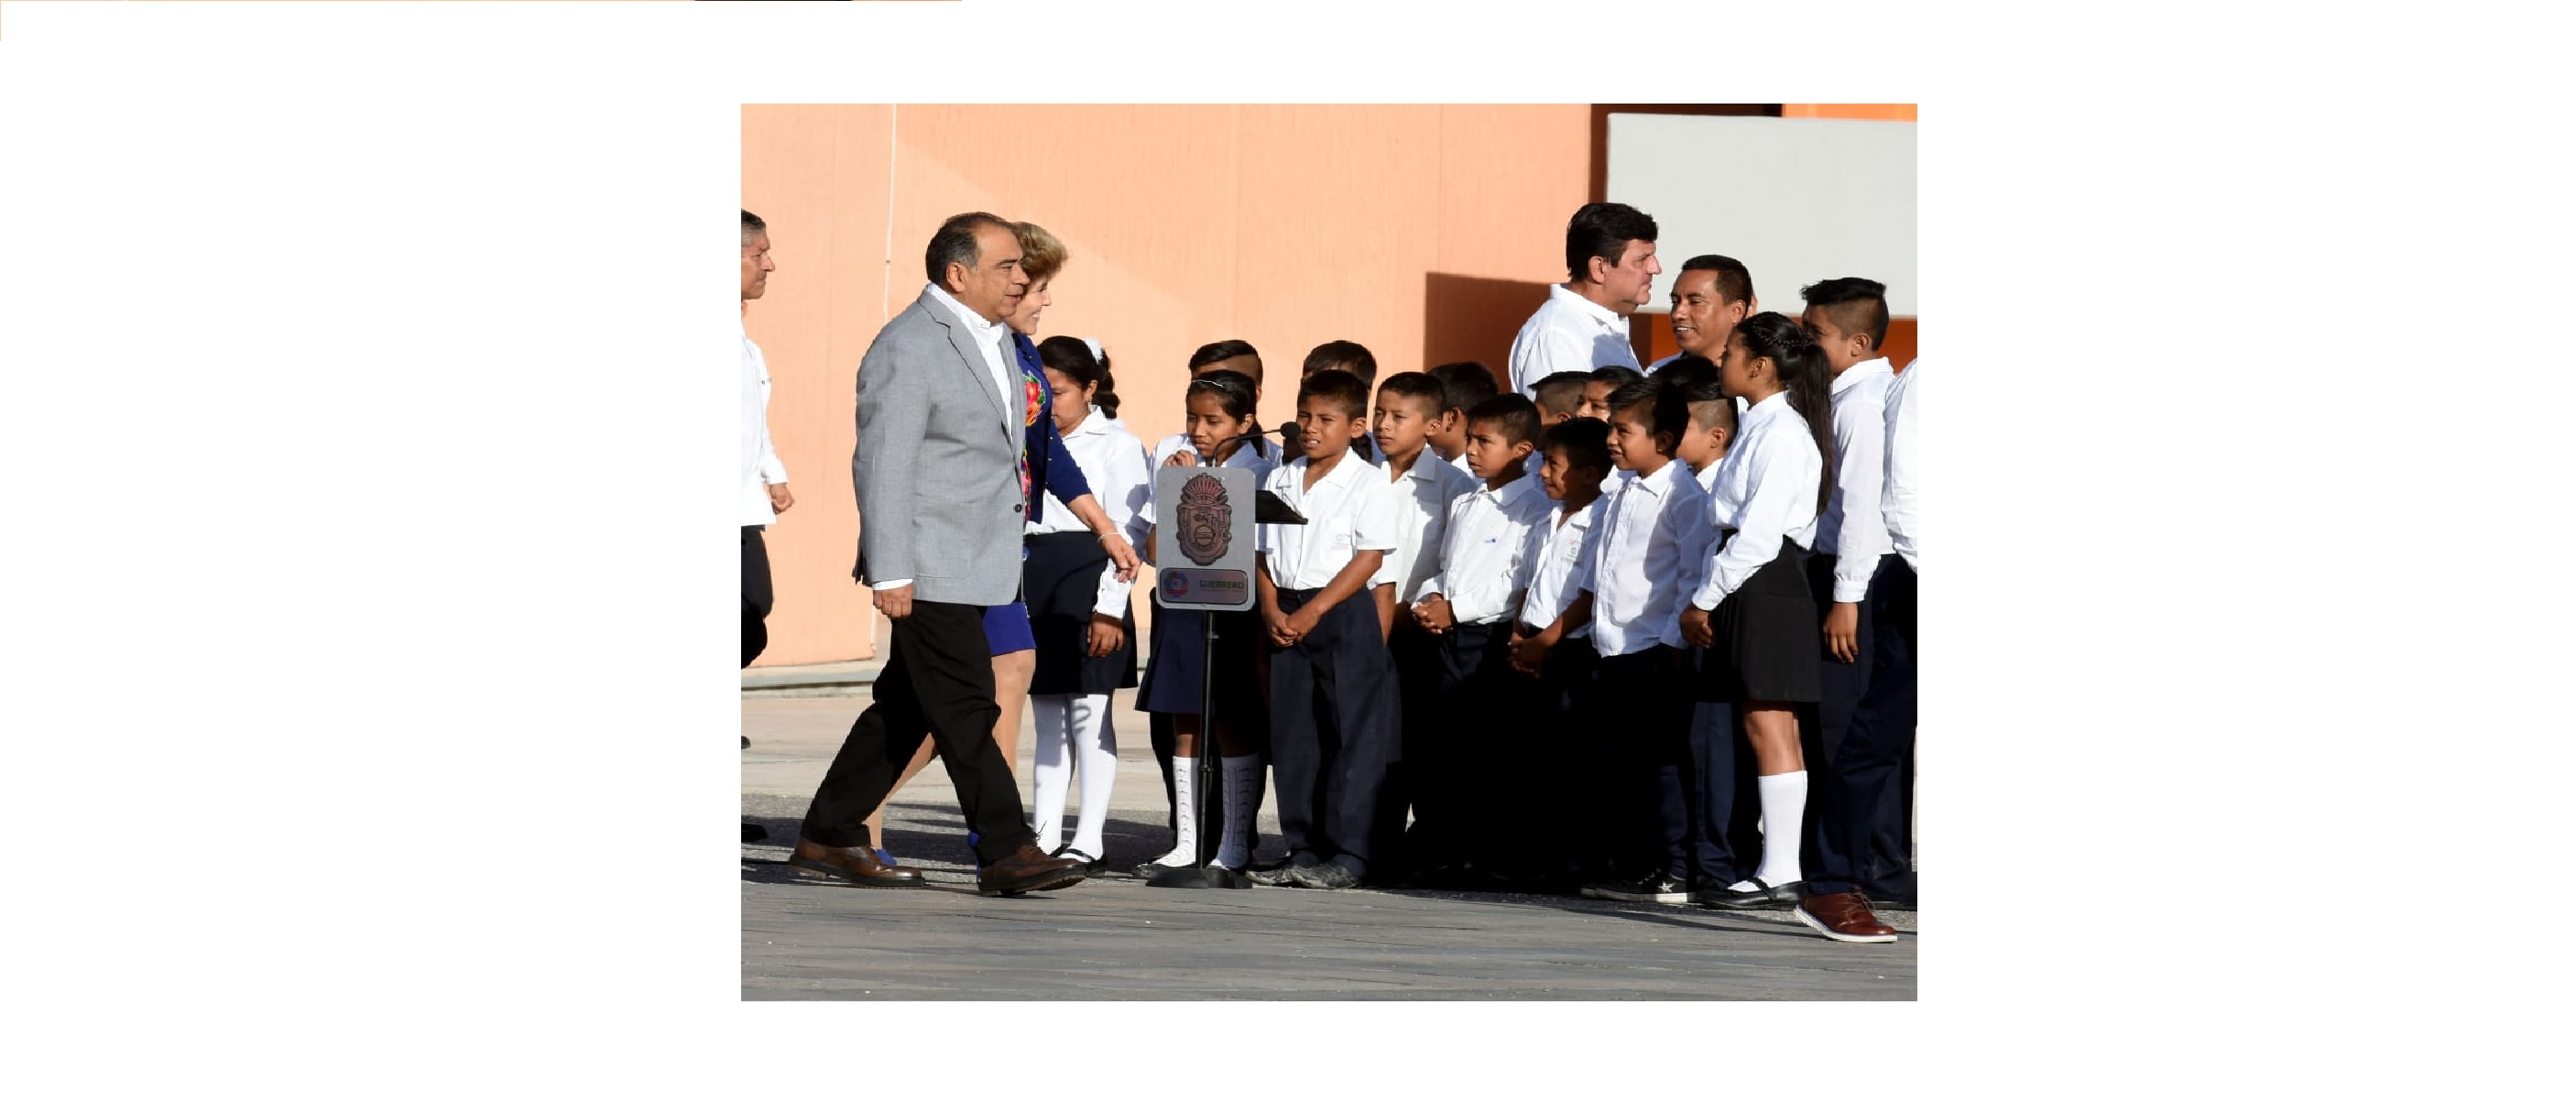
x,y
1204,554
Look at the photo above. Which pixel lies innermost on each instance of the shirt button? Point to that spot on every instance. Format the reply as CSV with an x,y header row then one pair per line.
x,y
1019,508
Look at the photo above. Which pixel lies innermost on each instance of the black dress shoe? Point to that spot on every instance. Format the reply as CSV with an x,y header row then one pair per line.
x,y
1323,876
753,833
1091,867
1783,896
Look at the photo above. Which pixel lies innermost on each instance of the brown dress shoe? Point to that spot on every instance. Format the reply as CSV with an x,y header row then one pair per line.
x,y
1844,917
855,865
1029,869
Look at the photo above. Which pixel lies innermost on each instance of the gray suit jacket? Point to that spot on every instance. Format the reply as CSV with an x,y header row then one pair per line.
x,y
937,467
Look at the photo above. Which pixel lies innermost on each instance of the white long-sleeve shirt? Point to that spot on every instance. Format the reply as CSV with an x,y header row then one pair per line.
x,y
1422,497
1765,491
1561,554
1857,540
1484,566
1568,333
760,464
1636,577
1113,464
1897,500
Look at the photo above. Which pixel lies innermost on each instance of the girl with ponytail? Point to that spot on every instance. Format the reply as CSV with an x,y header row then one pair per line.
x,y
1754,613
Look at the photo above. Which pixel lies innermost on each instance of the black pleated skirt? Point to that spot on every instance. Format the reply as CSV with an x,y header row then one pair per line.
x,y
1063,571
1769,641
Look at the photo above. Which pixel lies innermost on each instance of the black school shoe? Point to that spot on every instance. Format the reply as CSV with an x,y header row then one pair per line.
x,y
1323,876
1661,888
1783,896
1091,867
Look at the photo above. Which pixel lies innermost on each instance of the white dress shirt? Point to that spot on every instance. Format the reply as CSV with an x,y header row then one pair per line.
x,y
1568,333
1113,463
1860,474
1349,509
1561,552
1636,577
1484,566
990,338
1898,498
760,464
1765,491
1422,497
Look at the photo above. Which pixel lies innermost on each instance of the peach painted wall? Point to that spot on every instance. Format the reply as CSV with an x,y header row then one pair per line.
x,y
1425,232
1851,111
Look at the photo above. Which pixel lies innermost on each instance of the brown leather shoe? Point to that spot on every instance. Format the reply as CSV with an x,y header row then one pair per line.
x,y
1844,917
856,865
1029,869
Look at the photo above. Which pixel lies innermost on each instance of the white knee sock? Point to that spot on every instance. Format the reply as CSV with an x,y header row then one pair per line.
x,y
1053,771
1242,775
1784,803
1095,751
1185,838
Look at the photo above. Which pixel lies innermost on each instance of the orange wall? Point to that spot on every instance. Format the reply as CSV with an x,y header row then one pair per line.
x,y
1425,232
1850,111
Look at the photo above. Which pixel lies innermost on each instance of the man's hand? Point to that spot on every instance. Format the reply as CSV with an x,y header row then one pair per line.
x,y
1121,555
1842,632
895,602
1435,614
1107,635
1696,629
779,499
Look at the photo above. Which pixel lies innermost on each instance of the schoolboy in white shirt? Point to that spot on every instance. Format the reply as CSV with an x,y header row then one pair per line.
x,y
1408,411
1468,607
1328,657
1551,651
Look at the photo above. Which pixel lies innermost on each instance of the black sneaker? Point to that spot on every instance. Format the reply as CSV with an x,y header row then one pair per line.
x,y
1661,887
1325,876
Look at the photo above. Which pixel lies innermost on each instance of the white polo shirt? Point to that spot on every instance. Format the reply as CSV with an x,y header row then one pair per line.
x,y
1560,557
1484,566
1860,476
1422,497
1568,333
1349,509
1898,499
1637,576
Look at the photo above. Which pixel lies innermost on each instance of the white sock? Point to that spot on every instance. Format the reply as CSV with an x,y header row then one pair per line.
x,y
1241,776
1052,771
1095,752
1185,838
1784,802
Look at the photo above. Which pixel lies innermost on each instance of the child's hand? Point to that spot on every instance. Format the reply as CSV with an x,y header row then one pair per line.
x,y
1435,614
1696,629
1107,635
1299,624
1842,632
1528,653
1276,623
1185,458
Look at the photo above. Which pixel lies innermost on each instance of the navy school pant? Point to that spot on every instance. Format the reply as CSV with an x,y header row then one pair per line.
x,y
1458,777
1561,767
1723,793
1856,739
1333,723
1645,713
1418,686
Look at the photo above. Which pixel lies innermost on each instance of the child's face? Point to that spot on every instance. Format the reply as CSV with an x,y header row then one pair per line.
x,y
1072,402
1490,454
1632,440
1741,375
1403,424
1842,349
1207,423
1702,445
1596,400
1563,481
1449,434
1325,431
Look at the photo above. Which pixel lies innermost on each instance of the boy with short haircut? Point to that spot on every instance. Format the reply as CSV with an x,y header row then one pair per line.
x,y
1552,651
1598,387
1464,385
1334,355
1656,525
1329,666
1559,396
1408,408
1858,798
1468,608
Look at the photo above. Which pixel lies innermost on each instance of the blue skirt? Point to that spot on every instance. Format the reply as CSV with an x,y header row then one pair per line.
x,y
1172,673
1006,627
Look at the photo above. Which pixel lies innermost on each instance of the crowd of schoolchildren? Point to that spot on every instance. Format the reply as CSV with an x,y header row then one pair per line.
x,y
1639,636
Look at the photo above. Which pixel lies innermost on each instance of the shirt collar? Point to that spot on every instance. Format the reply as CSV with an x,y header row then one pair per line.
x,y
1778,402
1423,465
1342,475
957,309
1662,480
1595,310
1855,375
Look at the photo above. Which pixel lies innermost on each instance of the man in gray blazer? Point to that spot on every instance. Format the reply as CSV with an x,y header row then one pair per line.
x,y
941,504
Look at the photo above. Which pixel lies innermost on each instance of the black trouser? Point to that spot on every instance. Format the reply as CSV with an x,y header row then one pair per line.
x,y
1878,749
1724,797
938,680
1856,747
1460,786
1416,654
1647,713
1340,675
1561,765
755,595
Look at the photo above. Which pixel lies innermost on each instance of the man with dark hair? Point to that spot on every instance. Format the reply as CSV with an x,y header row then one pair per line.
x,y
1610,270
941,506
764,477
1711,296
